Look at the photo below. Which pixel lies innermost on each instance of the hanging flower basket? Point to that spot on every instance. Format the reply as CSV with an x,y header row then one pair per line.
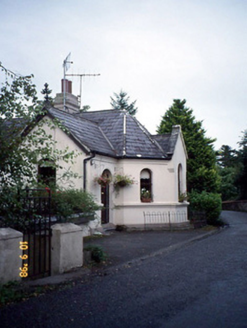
x,y
103,181
122,181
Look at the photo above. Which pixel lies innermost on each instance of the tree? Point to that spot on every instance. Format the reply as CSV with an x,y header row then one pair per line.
x,y
202,173
226,156
85,108
241,180
228,168
25,144
122,103
24,141
228,188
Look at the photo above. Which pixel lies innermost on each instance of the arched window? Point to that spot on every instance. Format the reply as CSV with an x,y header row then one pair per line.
x,y
146,185
180,183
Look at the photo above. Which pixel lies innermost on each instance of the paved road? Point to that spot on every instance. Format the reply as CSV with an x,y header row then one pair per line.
x,y
201,285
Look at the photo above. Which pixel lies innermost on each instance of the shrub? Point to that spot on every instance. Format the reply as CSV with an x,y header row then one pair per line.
x,y
66,203
208,202
97,253
9,293
14,209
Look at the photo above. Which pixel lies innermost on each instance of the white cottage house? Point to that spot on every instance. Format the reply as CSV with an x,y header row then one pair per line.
x,y
112,142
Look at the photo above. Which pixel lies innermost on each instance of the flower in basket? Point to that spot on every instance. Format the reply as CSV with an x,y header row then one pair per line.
x,y
102,180
122,180
145,195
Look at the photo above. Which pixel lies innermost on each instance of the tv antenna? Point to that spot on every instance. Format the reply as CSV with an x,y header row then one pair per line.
x,y
81,75
66,65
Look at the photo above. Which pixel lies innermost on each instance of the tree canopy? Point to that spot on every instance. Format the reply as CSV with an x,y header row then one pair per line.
x,y
21,151
232,166
202,173
121,102
241,180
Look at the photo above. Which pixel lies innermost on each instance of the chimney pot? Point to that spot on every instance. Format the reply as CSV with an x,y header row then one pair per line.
x,y
67,85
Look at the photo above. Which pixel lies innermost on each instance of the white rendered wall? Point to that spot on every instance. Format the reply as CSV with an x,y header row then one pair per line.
x,y
126,206
63,141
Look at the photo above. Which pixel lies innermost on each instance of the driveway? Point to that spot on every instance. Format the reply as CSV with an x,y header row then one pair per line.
x,y
202,284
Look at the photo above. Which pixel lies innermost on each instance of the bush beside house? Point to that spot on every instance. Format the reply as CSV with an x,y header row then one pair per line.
x,y
208,202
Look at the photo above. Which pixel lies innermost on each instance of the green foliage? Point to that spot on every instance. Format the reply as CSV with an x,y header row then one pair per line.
x,y
210,203
46,92
241,180
24,141
232,166
122,180
97,253
9,293
201,166
226,156
66,203
11,205
71,205
145,193
102,180
122,103
14,291
85,108
25,144
228,188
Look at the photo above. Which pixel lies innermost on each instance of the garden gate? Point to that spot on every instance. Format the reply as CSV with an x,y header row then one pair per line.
x,y
36,229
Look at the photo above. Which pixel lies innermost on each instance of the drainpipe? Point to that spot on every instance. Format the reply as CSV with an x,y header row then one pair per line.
x,y
124,134
85,170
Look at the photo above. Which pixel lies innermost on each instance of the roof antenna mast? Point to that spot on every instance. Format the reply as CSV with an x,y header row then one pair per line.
x,y
66,65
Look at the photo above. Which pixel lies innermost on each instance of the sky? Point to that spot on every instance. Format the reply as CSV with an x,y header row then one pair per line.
x,y
155,50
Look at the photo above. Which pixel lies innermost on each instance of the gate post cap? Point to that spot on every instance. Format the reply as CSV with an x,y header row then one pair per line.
x,y
66,227
9,233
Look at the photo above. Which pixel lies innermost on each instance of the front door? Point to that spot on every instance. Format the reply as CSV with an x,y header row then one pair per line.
x,y
105,202
105,199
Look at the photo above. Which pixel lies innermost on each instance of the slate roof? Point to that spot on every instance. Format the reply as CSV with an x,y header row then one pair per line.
x,y
115,133
12,128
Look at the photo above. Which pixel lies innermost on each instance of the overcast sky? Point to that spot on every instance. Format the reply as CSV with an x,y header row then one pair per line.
x,y
155,50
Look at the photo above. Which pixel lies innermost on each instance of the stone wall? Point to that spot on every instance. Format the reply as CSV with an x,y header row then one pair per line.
x,y
236,205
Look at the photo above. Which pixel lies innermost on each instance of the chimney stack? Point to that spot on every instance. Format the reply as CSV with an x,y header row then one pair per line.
x,y
71,101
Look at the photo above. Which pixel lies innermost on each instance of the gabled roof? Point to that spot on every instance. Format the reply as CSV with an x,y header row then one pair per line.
x,y
13,127
115,133
87,134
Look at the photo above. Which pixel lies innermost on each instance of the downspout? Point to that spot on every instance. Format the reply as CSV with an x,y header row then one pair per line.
x,y
85,170
124,134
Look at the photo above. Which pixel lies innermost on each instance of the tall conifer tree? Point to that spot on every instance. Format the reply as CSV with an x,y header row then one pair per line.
x,y
121,102
201,166
242,178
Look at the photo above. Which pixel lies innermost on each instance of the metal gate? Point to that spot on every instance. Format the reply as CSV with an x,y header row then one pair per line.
x,y
36,229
